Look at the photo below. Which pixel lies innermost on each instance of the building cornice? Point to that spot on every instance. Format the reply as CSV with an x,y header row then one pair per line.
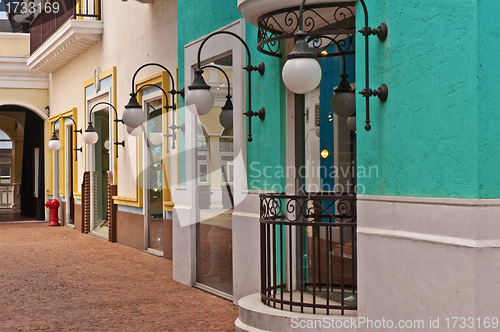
x,y
15,74
65,44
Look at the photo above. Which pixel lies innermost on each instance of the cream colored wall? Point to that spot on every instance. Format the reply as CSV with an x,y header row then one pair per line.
x,y
14,44
38,98
134,34
229,73
17,45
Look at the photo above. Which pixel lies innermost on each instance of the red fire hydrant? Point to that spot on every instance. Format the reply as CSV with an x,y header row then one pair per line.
x,y
53,206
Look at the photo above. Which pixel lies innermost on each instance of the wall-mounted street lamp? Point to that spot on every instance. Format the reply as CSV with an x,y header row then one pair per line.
x,y
133,115
90,136
156,133
302,73
343,102
199,91
55,144
226,116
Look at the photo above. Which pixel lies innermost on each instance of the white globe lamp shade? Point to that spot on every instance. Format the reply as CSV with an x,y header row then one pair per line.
x,y
301,75
343,104
351,123
134,131
90,137
54,144
18,18
200,100
133,115
156,137
226,118
106,144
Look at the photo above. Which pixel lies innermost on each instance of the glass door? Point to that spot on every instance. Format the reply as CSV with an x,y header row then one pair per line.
x,y
330,160
215,186
101,166
154,177
69,175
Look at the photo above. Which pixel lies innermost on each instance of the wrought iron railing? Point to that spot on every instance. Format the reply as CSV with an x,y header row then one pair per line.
x,y
47,22
308,252
325,23
9,195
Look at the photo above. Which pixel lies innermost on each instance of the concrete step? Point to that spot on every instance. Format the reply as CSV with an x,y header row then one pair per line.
x,y
255,316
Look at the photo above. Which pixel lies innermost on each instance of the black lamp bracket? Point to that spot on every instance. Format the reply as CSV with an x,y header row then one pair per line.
x,y
76,154
261,68
272,29
75,130
65,117
249,68
260,113
381,32
122,143
167,107
116,120
381,92
181,92
172,92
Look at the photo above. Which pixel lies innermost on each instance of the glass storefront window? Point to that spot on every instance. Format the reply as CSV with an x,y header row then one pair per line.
x,y
101,166
155,178
215,177
5,175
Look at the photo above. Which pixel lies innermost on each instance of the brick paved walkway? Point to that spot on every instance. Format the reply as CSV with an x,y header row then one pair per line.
x,y
12,215
57,279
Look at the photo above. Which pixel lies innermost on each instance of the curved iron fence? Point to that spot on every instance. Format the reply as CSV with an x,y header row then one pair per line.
x,y
308,252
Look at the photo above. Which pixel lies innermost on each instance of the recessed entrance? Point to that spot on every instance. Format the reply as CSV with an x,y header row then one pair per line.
x,y
21,163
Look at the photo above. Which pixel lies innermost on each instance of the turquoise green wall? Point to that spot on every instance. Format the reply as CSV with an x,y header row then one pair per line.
x,y
199,18
488,118
436,136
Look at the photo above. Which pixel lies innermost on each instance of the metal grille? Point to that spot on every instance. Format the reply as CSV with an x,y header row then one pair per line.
x,y
308,252
86,202
9,195
112,191
326,25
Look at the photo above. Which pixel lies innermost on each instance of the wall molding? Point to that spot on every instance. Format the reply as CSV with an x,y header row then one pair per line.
x,y
430,200
431,238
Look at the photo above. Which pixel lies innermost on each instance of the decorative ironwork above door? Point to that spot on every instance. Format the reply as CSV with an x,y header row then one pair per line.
x,y
325,25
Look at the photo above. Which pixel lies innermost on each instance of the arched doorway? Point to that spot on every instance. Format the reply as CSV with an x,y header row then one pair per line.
x,y
24,174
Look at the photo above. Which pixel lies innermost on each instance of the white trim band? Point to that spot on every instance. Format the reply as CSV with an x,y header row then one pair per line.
x,y
430,200
438,239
